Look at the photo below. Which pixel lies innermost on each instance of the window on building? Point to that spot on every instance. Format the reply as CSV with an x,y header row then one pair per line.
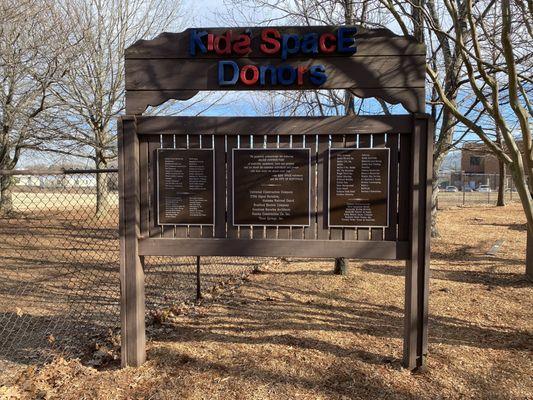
x,y
474,160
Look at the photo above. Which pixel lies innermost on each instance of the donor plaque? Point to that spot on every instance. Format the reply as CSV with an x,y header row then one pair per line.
x,y
271,187
358,187
185,187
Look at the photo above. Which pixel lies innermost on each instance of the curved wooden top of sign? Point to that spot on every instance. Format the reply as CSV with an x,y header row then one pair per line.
x,y
385,66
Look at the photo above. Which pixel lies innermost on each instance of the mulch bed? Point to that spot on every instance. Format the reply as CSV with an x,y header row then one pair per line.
x,y
295,331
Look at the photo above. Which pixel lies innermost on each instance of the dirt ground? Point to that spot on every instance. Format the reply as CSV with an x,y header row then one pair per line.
x,y
295,331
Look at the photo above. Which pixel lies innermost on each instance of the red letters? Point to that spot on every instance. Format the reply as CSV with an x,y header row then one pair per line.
x,y
222,44
324,47
255,75
242,45
210,38
301,71
271,37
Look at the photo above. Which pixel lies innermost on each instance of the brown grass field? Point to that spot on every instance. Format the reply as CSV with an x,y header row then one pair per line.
x,y
295,331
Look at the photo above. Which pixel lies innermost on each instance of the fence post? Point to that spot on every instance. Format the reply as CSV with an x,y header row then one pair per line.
x,y
463,183
198,281
417,271
132,306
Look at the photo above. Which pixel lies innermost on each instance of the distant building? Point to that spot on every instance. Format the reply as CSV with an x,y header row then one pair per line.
x,y
28,180
477,159
479,166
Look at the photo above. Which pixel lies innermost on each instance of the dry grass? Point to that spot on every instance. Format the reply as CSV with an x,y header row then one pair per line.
x,y
297,332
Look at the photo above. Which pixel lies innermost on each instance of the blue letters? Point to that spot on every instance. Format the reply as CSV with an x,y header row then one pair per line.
x,y
222,81
195,39
317,75
346,41
310,43
281,75
286,49
263,69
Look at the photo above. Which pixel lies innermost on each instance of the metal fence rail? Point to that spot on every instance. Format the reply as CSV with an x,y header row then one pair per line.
x,y
456,188
59,266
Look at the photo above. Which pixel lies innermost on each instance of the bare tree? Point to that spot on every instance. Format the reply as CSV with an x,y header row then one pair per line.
x,y
35,52
494,41
92,92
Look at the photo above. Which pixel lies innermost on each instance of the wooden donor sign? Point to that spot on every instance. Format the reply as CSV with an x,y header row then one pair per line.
x,y
295,186
185,187
358,187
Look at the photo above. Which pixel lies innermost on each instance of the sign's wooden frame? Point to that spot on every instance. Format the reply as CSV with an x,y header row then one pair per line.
x,y
160,69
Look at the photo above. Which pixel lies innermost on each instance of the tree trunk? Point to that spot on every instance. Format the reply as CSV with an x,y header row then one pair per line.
x,y
6,196
434,205
501,183
524,193
437,162
501,187
529,256
341,266
102,190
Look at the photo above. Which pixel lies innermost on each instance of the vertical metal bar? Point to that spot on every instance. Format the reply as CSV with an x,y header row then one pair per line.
x,y
195,231
154,144
311,142
298,232
364,142
463,183
350,233
392,144
245,142
220,186
284,142
232,230
378,141
198,280
337,141
322,187
258,232
170,142
271,142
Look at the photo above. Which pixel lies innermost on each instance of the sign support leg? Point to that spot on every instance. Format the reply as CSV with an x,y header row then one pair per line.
x,y
132,303
417,271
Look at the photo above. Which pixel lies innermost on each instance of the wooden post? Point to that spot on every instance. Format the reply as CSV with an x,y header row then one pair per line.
x,y
417,272
132,307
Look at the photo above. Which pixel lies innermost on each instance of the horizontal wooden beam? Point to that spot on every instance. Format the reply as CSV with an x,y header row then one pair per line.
x,y
343,73
369,42
275,125
377,250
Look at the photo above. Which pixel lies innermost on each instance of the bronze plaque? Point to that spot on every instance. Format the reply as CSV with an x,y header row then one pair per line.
x,y
185,182
358,187
271,187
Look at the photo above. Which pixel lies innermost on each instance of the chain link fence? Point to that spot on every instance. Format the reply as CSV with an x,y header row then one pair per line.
x,y
59,267
456,188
